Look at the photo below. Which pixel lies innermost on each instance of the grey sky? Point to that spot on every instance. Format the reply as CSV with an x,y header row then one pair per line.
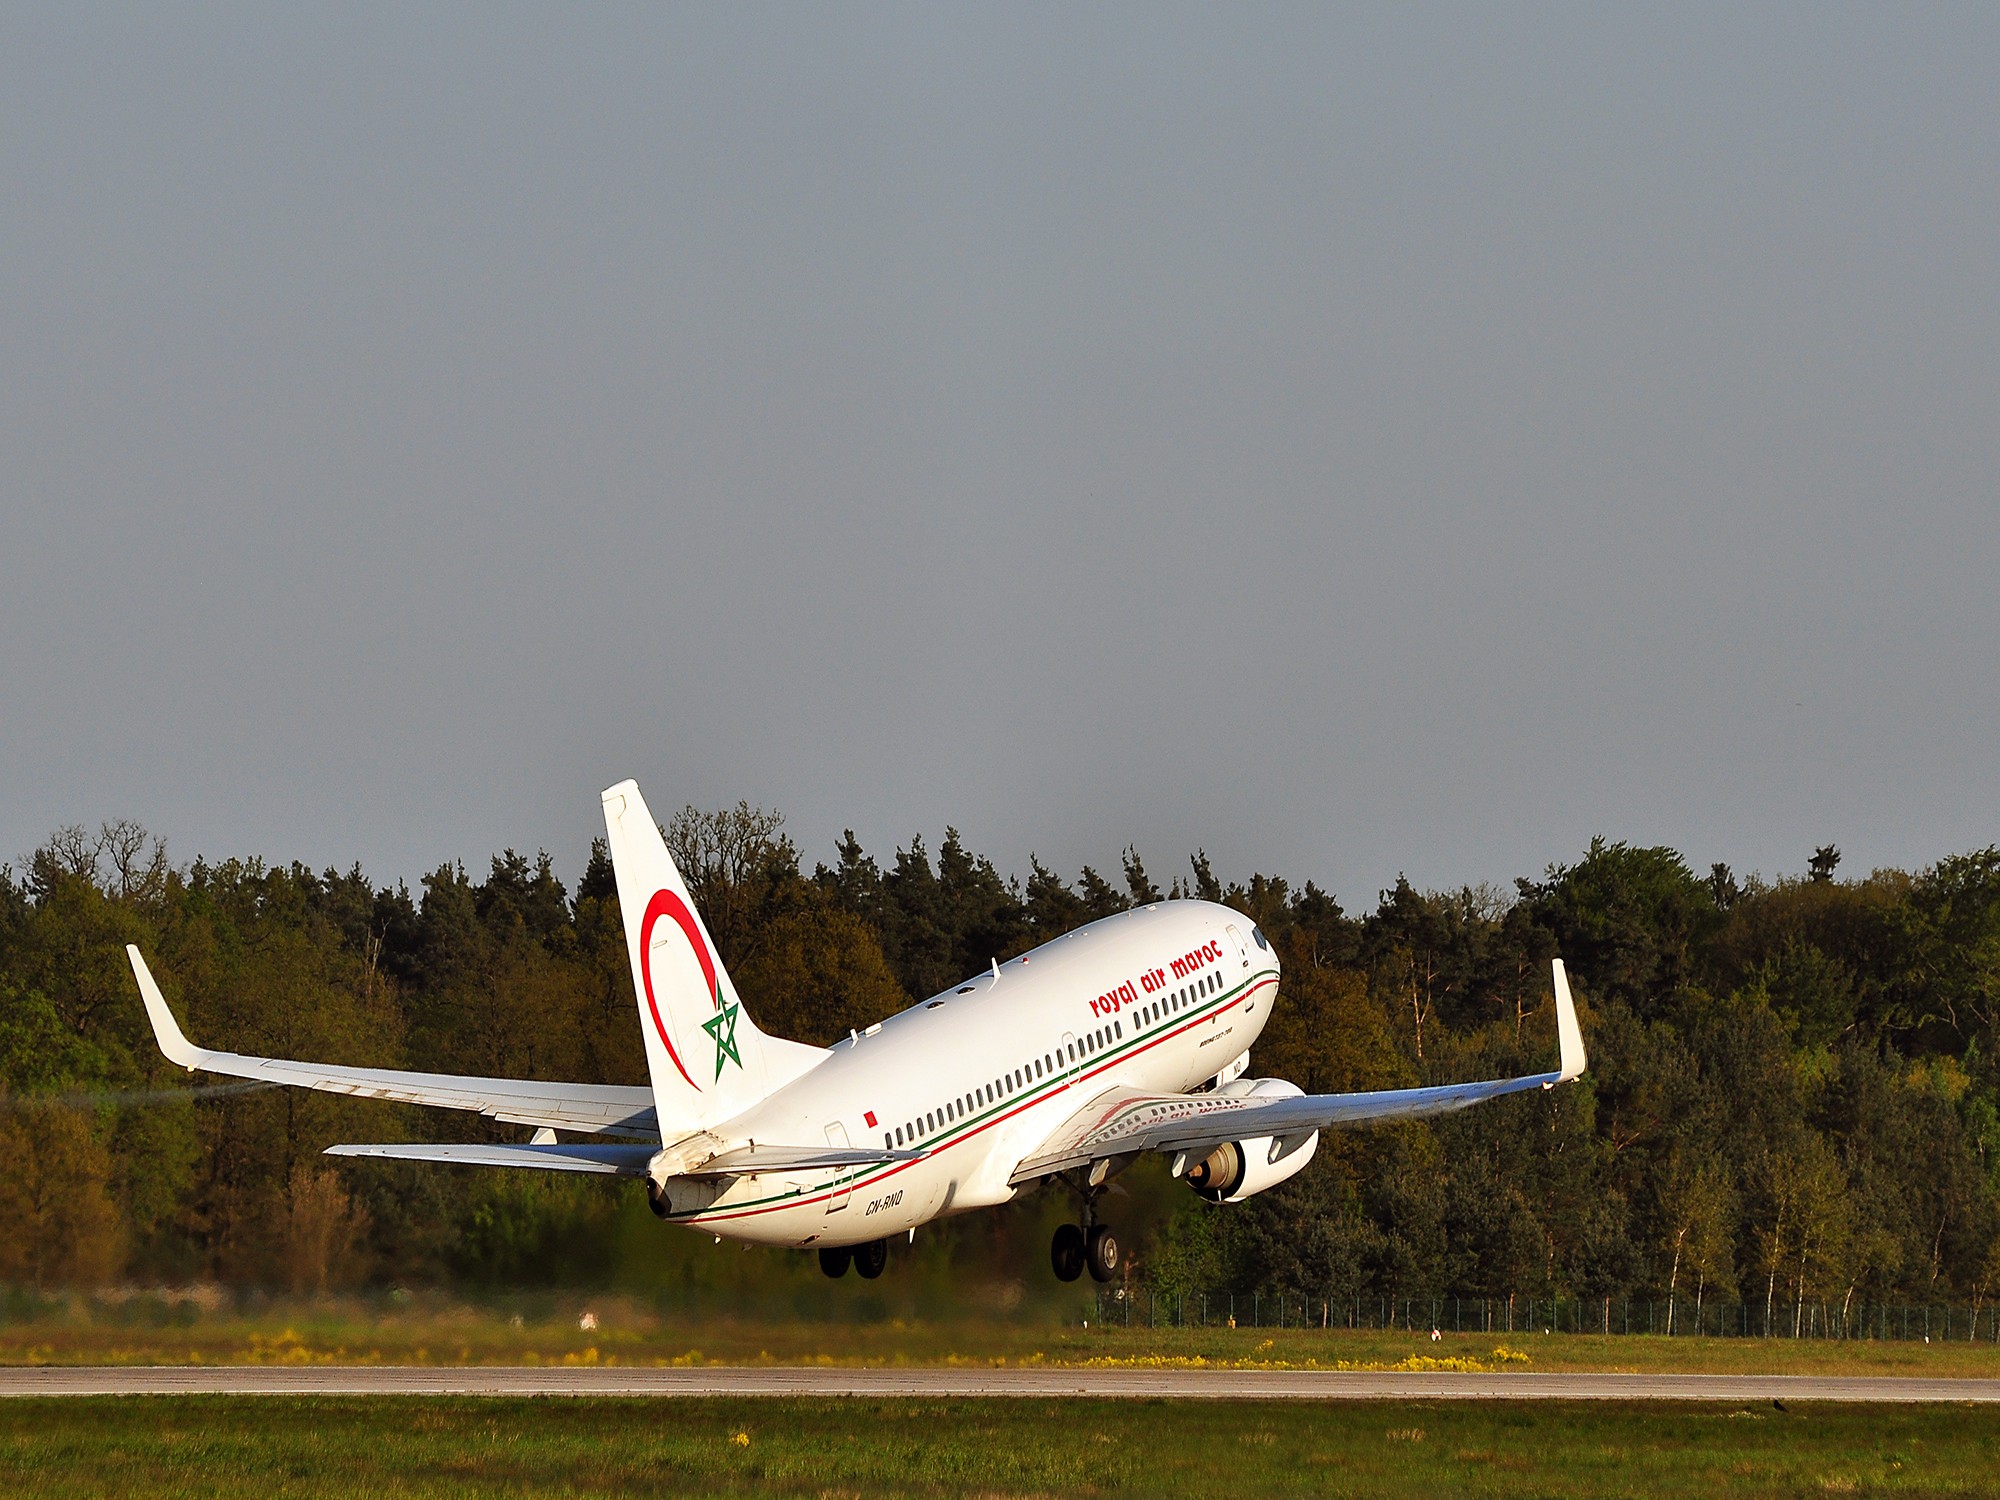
x,y
1406,440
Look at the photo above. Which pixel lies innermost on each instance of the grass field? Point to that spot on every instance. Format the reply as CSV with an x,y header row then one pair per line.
x,y
425,1446
634,1332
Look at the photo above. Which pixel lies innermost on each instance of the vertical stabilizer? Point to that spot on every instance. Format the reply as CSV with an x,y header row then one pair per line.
x,y
707,1059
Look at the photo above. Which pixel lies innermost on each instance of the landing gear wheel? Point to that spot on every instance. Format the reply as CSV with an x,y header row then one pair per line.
x,y
869,1259
1066,1252
1102,1253
833,1260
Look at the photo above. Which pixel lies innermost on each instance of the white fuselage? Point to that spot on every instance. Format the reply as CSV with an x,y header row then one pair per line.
x,y
1159,998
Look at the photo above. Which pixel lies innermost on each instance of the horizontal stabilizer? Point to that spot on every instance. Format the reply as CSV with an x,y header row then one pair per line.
x,y
749,1161
630,1161
616,1161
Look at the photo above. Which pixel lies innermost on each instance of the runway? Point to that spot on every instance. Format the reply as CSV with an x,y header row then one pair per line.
x,y
1043,1381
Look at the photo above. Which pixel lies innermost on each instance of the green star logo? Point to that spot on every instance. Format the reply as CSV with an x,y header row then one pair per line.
x,y
722,1027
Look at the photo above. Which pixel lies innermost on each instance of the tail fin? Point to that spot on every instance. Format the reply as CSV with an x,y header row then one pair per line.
x,y
707,1059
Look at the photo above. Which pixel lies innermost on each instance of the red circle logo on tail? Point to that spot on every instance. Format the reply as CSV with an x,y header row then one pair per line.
x,y
667,904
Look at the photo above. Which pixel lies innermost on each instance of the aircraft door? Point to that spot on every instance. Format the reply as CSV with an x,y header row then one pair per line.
x,y
1242,949
836,1137
1069,1064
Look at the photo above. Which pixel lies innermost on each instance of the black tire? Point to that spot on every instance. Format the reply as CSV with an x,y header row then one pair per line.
x,y
1102,1253
869,1259
833,1260
1066,1252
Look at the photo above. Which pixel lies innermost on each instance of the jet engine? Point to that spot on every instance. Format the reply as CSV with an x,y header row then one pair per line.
x,y
1236,1169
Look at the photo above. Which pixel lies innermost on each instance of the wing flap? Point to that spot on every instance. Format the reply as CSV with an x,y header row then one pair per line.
x,y
586,1108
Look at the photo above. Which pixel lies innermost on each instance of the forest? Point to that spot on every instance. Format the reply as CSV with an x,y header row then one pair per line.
x,y
1793,1096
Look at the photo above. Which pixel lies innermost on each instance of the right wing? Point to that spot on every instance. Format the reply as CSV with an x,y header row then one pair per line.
x,y
588,1108
1123,1121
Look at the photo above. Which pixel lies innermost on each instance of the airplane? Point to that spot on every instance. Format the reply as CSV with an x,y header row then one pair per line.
x,y
1125,1037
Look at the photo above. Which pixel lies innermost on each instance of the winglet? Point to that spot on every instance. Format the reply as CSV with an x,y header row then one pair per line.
x,y
166,1030
1569,1036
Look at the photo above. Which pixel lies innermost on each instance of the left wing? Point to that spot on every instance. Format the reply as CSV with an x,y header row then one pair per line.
x,y
591,1108
1122,1121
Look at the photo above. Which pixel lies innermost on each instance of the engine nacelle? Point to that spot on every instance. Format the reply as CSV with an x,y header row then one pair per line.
x,y
1235,1170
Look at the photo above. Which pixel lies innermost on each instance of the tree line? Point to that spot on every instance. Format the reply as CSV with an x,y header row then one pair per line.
x,y
1793,1098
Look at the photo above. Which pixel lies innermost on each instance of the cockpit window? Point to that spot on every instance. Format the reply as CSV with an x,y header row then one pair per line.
x,y
1258,933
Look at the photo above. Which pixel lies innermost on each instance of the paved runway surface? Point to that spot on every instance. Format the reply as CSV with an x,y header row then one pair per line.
x,y
1233,1385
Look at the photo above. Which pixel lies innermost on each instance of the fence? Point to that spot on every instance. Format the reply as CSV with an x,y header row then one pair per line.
x,y
1679,1317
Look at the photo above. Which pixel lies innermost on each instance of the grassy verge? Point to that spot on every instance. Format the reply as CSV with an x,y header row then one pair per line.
x,y
400,1446
632,1332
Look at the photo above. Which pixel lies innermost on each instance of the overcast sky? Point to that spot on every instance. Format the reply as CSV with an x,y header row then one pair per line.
x,y
1356,442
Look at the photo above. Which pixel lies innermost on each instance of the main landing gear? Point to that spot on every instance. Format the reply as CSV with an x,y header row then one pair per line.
x,y
1076,1250
868,1259
1087,1246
